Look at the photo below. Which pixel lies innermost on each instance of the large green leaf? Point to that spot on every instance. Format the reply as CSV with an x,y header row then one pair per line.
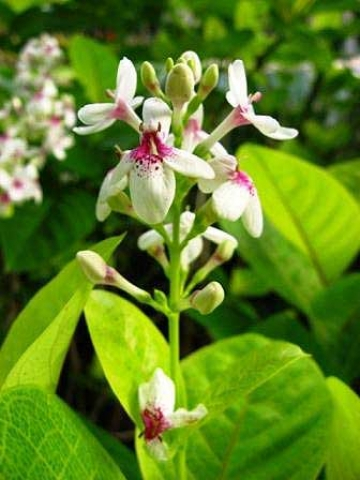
x,y
44,231
40,437
95,66
348,173
128,345
36,345
269,411
279,263
344,446
308,206
335,319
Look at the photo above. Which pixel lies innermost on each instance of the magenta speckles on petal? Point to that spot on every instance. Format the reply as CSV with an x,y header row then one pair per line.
x,y
155,423
150,153
120,112
243,180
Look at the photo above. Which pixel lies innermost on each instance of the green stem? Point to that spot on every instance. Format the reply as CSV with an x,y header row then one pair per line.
x,y
176,286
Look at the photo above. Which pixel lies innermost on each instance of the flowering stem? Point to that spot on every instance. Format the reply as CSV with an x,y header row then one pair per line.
x,y
176,286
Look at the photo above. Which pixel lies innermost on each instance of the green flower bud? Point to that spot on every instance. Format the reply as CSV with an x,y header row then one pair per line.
x,y
180,85
95,268
192,59
209,81
208,298
169,63
225,251
149,79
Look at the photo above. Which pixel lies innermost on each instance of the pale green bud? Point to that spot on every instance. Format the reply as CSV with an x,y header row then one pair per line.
x,y
99,273
225,251
169,64
192,59
95,268
149,79
180,85
209,81
208,298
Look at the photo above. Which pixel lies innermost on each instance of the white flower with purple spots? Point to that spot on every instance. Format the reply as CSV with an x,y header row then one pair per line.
x,y
157,404
244,114
234,195
150,167
99,116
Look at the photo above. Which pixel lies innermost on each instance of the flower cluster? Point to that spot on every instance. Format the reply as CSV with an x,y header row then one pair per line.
x,y
34,123
152,182
171,140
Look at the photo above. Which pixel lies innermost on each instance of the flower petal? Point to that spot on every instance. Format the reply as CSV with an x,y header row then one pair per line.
x,y
252,217
230,200
111,185
159,392
152,192
189,165
158,449
237,84
218,236
149,239
222,166
271,127
191,252
156,111
182,417
126,80
97,127
95,112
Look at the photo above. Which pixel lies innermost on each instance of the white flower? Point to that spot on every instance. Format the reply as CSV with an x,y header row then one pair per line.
x,y
99,116
110,187
193,249
151,166
157,403
244,113
234,195
21,185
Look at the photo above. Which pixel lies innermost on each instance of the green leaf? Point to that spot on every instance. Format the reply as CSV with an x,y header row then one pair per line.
x,y
335,319
128,345
272,256
269,411
40,437
343,458
308,206
46,230
122,456
42,331
348,173
95,66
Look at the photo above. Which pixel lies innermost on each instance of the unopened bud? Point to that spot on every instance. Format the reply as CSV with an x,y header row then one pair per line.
x,y
99,273
192,59
95,268
207,299
209,81
149,79
180,85
169,64
225,251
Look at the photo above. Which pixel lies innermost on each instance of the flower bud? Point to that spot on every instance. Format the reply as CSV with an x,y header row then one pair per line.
x,y
209,81
95,268
207,299
225,251
169,63
149,79
180,85
192,59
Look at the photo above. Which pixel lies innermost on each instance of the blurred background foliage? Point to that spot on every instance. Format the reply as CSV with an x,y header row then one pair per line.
x,y
304,56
